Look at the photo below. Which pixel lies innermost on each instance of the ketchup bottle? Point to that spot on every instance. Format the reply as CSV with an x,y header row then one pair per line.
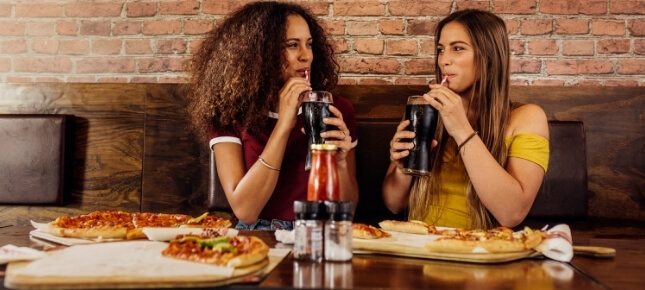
x,y
323,177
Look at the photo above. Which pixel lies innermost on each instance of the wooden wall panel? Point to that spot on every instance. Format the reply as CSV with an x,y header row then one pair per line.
x,y
108,143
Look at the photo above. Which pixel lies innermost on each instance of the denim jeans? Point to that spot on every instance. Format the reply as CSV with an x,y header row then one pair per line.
x,y
266,225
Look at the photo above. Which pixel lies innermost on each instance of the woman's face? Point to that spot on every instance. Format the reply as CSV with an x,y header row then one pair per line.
x,y
298,48
456,57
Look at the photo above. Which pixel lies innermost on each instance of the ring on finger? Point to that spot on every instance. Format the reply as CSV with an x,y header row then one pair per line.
x,y
344,135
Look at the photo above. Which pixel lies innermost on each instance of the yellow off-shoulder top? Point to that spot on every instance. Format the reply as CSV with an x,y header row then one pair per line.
x,y
453,210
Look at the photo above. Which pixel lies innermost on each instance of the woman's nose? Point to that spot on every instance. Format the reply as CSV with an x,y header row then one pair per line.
x,y
305,53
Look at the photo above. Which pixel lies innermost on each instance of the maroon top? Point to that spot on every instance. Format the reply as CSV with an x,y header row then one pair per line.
x,y
292,182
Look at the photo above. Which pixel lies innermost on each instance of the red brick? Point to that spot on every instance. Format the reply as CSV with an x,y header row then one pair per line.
x,y
141,9
421,27
639,46
636,27
222,7
127,28
419,8
346,81
93,9
184,7
316,7
149,65
526,66
627,7
578,47
358,8
138,46
77,47
101,28
105,65
107,46
536,27
161,27
171,46
5,10
634,66
514,6
391,27
334,27
512,27
473,4
543,47
40,29
11,79
545,82
42,65
369,65
38,10
576,67
374,81
192,27
362,28
81,79
66,27
517,46
194,45
369,46
5,64
589,83
45,46
515,82
113,80
48,80
621,83
573,7
422,66
340,45
608,27
572,26
411,81
427,47
402,47
14,46
613,46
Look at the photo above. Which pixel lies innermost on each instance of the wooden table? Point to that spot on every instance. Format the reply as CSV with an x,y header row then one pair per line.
x,y
380,271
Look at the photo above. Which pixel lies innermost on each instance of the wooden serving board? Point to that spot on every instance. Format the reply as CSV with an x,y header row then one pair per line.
x,y
411,245
126,265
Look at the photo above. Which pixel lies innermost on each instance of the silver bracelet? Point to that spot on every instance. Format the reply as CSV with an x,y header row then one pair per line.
x,y
267,164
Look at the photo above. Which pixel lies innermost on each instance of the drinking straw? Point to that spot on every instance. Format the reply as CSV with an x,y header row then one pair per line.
x,y
445,78
307,75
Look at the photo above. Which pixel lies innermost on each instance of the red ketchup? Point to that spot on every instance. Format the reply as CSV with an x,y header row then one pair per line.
x,y
323,176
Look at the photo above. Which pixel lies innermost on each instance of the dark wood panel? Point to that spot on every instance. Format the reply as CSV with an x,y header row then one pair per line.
x,y
108,143
175,164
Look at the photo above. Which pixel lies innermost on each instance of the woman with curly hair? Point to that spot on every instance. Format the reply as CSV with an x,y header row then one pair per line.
x,y
247,77
490,156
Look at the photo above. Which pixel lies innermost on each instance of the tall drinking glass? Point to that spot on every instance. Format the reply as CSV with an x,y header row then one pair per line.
x,y
315,107
423,122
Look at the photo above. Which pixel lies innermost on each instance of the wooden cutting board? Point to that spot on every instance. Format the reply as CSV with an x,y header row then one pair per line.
x,y
125,265
411,245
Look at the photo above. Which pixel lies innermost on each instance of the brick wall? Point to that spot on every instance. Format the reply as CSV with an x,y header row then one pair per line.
x,y
554,42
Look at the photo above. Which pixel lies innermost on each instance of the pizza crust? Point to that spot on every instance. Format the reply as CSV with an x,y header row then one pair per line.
x,y
97,232
454,245
411,227
258,253
363,231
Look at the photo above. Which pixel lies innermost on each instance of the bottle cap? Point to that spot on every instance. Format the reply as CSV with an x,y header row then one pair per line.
x,y
326,147
339,210
309,210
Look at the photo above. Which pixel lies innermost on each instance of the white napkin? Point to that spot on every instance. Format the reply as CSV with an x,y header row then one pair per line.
x,y
558,245
285,236
10,253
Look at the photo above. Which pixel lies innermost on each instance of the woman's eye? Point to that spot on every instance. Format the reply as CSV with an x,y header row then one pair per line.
x,y
440,50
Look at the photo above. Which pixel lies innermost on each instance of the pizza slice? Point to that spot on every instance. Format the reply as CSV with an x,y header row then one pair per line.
x,y
238,251
363,231
156,220
207,221
497,240
411,227
95,225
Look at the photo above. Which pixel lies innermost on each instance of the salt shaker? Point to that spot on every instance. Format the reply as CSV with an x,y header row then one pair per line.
x,y
338,231
308,230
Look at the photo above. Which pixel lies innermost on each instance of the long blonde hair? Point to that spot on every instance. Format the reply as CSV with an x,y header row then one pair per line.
x,y
490,94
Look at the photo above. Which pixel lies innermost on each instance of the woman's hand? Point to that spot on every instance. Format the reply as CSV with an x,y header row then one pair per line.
x,y
400,149
451,109
340,137
290,100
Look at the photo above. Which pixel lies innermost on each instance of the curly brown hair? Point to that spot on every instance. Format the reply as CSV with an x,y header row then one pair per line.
x,y
236,72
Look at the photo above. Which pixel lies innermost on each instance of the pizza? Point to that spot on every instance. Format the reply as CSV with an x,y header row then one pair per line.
x,y
496,240
363,231
123,225
237,251
411,227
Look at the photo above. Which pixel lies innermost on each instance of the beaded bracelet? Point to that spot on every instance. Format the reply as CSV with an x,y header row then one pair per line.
x,y
267,164
464,143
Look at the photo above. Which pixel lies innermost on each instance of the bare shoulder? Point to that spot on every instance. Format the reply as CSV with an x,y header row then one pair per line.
x,y
528,118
